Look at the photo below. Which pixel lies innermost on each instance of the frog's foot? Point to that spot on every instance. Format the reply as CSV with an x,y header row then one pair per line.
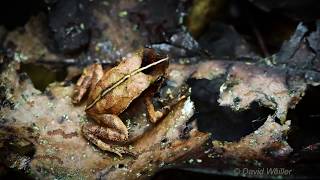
x,y
119,150
89,78
106,138
104,133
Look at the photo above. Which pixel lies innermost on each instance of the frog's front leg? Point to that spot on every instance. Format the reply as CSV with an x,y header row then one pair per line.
x,y
156,115
108,134
88,80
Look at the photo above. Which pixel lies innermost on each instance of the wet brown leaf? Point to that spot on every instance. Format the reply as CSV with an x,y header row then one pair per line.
x,y
51,124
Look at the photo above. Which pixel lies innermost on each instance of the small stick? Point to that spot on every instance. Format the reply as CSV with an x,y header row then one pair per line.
x,y
104,92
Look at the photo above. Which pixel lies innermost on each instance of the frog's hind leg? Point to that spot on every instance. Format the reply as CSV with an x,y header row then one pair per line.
x,y
89,78
119,150
112,127
110,130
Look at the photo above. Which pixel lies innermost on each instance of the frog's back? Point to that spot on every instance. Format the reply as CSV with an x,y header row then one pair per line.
x,y
117,100
120,97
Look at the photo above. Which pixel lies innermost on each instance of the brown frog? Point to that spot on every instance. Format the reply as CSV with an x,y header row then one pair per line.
x,y
111,92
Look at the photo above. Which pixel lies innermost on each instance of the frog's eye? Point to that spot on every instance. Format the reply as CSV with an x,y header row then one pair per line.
x,y
150,56
160,79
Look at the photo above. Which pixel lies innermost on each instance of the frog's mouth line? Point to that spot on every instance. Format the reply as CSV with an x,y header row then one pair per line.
x,y
123,79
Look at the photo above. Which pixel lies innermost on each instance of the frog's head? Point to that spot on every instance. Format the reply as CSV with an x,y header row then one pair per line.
x,y
150,56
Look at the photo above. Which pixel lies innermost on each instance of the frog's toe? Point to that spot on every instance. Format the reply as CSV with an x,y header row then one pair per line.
x,y
99,136
120,150
104,133
104,146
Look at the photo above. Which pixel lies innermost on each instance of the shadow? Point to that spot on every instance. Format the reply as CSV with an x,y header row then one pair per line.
x,y
305,120
223,122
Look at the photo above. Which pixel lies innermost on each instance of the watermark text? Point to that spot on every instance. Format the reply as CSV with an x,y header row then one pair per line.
x,y
263,172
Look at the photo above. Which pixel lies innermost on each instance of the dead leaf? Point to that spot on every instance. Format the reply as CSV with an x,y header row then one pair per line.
x,y
52,128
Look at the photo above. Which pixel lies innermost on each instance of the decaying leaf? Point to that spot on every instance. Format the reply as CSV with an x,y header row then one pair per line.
x,y
51,124
279,86
25,40
246,83
266,143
